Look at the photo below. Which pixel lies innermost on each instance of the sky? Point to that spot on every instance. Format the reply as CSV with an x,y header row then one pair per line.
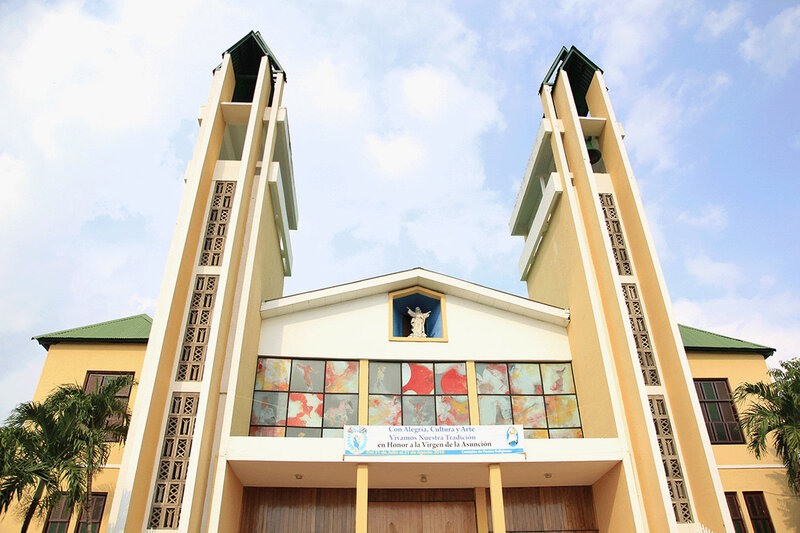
x,y
411,123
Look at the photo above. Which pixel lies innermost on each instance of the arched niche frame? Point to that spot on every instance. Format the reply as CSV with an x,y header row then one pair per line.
x,y
411,298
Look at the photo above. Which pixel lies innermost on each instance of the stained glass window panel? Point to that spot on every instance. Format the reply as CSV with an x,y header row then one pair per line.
x,y
562,411
557,379
256,431
569,433
417,378
384,410
341,376
307,375
495,410
524,378
492,378
340,410
529,411
418,411
451,378
269,408
303,432
273,374
305,410
452,410
384,378
536,434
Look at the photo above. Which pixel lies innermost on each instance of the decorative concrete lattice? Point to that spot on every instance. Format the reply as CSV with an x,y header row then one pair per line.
x,y
615,234
195,340
644,348
672,463
171,476
218,217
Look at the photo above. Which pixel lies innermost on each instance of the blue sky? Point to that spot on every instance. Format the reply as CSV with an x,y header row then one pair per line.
x,y
411,123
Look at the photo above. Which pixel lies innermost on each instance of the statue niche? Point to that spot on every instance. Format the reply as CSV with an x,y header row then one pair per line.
x,y
417,314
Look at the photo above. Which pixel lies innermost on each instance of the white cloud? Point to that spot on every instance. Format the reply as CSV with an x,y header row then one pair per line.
x,y
714,273
332,90
719,22
775,47
18,382
770,319
13,184
397,155
659,114
712,217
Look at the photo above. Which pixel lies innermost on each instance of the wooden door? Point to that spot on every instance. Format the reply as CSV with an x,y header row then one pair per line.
x,y
421,511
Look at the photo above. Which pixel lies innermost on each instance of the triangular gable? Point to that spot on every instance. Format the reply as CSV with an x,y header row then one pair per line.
x,y
408,278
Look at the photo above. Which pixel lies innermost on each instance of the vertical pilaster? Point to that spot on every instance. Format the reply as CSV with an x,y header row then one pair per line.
x,y
362,491
363,392
472,394
496,495
481,516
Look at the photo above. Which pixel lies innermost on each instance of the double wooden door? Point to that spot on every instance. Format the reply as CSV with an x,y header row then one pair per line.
x,y
418,511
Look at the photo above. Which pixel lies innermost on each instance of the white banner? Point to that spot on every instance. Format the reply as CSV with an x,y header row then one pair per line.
x,y
431,440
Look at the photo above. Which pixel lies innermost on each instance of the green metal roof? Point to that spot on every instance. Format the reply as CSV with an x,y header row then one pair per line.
x,y
705,341
132,329
580,70
246,56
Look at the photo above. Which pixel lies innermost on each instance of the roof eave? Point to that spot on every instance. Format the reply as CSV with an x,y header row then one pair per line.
x,y
409,278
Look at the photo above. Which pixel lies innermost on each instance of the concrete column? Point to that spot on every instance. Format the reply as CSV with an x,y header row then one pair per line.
x,y
496,493
362,486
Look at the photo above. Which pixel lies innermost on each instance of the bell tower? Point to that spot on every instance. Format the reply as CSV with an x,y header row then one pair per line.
x,y
588,248
230,250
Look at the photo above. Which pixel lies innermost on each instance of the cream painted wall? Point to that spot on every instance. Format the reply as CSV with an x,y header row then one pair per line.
x,y
360,329
69,363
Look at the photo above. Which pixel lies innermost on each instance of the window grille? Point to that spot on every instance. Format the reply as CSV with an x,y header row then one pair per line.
x,y
719,412
736,512
58,517
614,228
759,514
95,516
219,215
171,475
198,327
641,336
672,464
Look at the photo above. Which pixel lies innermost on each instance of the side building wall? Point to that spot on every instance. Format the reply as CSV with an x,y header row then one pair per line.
x,y
738,468
69,363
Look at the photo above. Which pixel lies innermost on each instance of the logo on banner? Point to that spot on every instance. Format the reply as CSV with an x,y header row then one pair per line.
x,y
356,439
512,437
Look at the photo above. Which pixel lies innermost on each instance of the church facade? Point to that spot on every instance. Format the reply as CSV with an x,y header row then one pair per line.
x,y
415,401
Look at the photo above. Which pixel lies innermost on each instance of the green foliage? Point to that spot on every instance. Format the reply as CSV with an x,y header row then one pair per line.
x,y
771,415
54,448
38,459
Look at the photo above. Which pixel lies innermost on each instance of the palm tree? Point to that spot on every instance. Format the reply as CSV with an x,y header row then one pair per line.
x,y
773,409
38,459
100,419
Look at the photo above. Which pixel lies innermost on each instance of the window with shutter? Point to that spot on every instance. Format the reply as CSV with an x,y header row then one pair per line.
x,y
95,515
736,512
759,514
719,412
58,517
96,380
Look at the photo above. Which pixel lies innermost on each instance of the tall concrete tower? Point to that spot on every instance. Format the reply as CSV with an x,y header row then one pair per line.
x,y
230,250
588,248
